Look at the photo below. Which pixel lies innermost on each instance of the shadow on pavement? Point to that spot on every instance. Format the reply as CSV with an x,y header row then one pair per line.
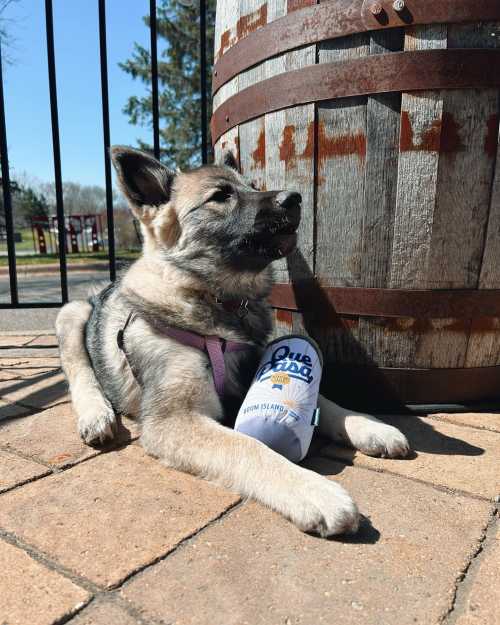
x,y
37,392
423,437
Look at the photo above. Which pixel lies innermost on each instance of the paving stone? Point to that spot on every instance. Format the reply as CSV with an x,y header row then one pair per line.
x,y
482,605
27,368
45,389
15,470
9,410
51,436
45,340
30,352
255,568
14,341
113,514
33,363
445,454
31,593
104,613
481,420
30,370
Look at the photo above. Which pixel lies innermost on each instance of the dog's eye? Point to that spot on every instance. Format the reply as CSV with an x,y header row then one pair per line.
x,y
221,195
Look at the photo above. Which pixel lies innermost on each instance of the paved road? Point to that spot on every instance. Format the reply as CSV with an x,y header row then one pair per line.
x,y
44,288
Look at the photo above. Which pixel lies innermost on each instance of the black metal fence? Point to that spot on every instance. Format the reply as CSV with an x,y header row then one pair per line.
x,y
4,156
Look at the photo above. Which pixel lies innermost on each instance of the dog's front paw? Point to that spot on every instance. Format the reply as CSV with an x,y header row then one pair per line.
x,y
323,507
375,438
97,425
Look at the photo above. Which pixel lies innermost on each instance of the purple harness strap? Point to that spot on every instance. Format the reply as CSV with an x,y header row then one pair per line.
x,y
215,348
213,345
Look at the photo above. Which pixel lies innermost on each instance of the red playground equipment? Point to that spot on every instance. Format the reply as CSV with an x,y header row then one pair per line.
x,y
84,233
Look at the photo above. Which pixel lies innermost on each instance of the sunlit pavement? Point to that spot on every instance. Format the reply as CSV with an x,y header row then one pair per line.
x,y
44,288
112,537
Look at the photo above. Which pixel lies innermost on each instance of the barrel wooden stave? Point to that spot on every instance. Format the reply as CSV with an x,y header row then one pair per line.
x,y
226,35
403,194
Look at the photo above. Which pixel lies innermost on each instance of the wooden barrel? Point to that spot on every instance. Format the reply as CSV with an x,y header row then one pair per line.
x,y
385,116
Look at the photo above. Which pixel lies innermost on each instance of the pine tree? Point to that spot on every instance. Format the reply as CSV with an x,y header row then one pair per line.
x,y
179,81
6,39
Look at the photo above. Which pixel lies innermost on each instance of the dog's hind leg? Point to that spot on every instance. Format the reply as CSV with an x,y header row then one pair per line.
x,y
96,417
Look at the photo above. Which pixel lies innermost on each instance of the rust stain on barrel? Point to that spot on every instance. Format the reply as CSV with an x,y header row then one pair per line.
x,y
328,147
430,137
244,26
443,136
259,154
248,23
294,5
450,135
483,325
491,139
309,149
422,326
341,145
237,149
401,325
480,325
225,43
284,316
287,146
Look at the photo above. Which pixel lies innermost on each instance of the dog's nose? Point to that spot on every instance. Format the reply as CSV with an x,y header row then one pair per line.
x,y
288,199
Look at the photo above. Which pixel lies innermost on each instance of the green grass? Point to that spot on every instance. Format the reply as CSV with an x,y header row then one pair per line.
x,y
80,258
25,245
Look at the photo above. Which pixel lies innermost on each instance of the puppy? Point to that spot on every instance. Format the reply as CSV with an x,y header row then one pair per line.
x,y
204,275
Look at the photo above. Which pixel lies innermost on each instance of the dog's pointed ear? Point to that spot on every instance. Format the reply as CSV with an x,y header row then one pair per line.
x,y
144,181
229,160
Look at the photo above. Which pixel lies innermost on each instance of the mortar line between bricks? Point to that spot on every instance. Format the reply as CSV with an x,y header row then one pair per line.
x,y
96,592
94,589
35,478
34,338
440,487
28,332
21,362
55,470
41,409
130,609
30,356
65,618
109,596
52,565
113,596
20,454
182,544
465,581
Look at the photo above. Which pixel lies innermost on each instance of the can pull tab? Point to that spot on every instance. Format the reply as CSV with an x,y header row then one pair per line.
x,y
315,418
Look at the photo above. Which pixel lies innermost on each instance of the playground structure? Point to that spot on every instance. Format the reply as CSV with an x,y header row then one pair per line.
x,y
84,233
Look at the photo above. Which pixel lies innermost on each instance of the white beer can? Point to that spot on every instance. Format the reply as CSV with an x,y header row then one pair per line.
x,y
280,408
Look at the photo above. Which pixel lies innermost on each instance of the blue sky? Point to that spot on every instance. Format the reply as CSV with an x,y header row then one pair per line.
x,y
78,81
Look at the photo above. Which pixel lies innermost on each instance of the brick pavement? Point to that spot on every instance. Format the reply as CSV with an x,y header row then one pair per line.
x,y
112,537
